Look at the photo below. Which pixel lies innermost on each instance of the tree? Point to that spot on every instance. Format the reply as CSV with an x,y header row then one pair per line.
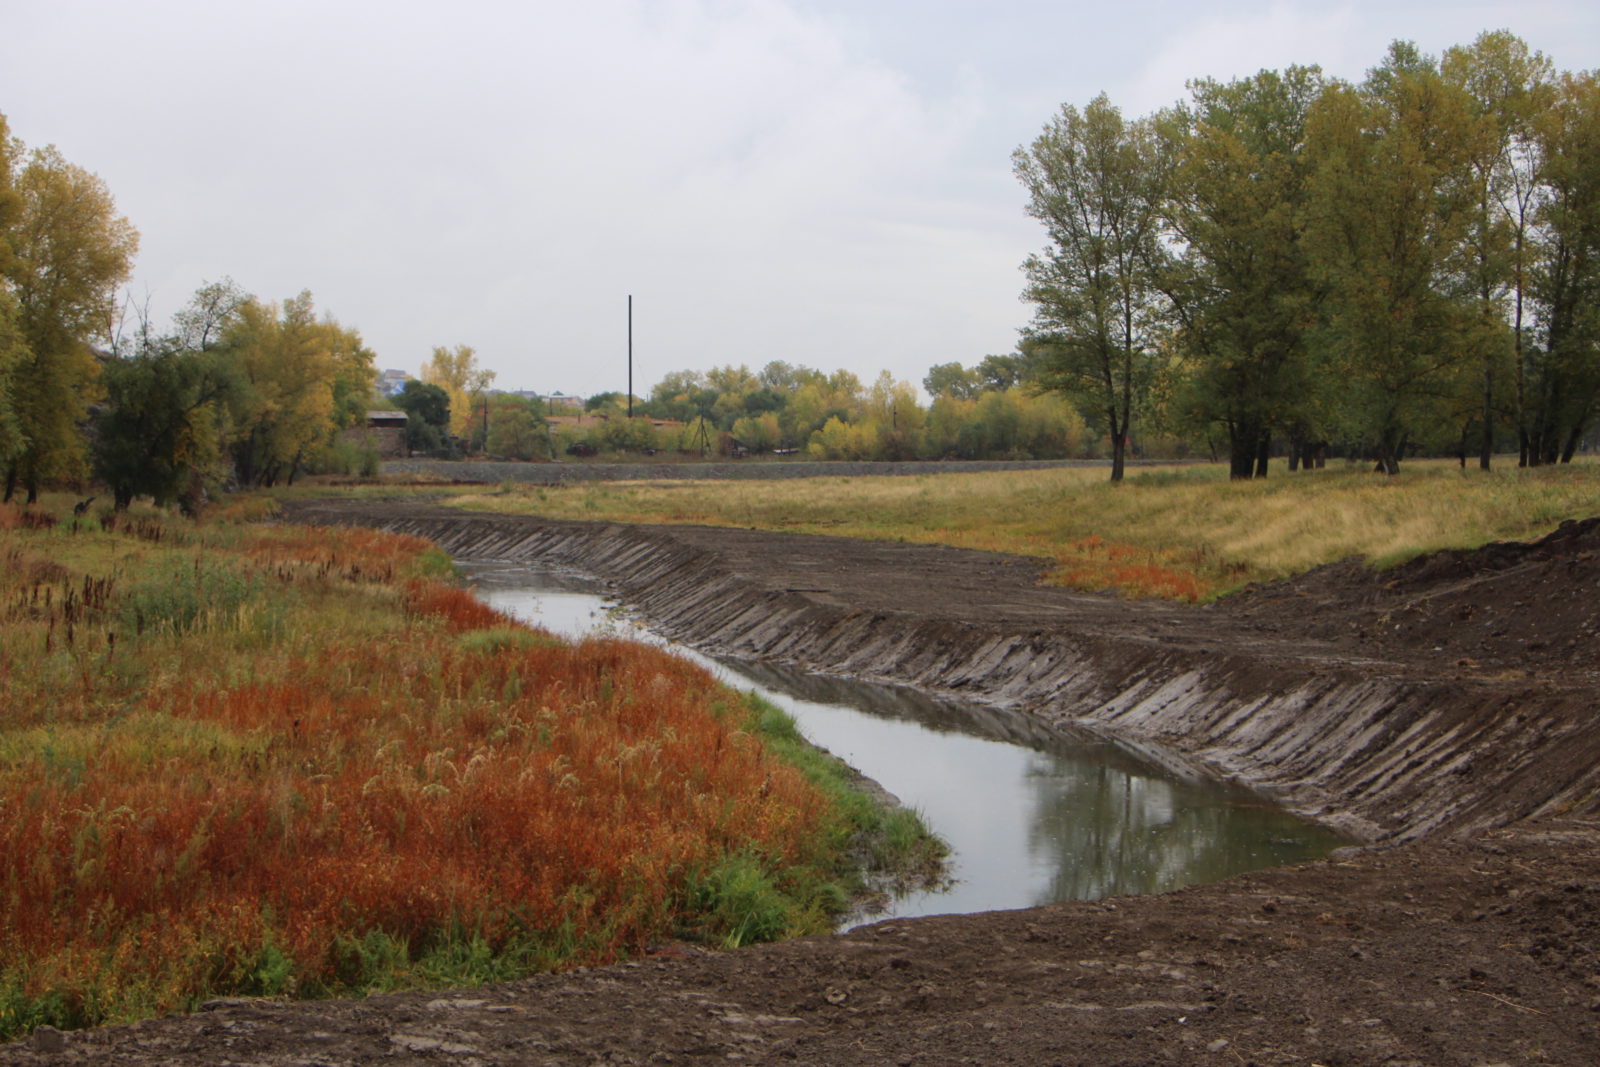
x,y
203,322
284,406
758,433
1509,88
1391,208
12,350
1564,380
1241,287
427,409
952,380
66,251
516,431
1003,372
1097,182
456,371
157,433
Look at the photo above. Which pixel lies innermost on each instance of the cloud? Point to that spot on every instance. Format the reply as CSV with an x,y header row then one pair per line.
x,y
818,181
503,175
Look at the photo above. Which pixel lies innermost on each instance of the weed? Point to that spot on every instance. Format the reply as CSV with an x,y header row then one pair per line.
x,y
275,761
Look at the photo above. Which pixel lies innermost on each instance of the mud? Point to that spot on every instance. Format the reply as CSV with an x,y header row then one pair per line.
x,y
1443,712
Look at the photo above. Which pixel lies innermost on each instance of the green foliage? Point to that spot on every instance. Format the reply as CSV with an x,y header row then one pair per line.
x,y
427,409
1392,203
738,904
952,380
1241,290
179,596
516,430
157,433
1098,183
1562,370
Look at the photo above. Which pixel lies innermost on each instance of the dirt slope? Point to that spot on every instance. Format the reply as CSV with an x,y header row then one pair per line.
x,y
1476,940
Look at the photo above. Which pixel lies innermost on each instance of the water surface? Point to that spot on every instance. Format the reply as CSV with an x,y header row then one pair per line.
x,y
1033,814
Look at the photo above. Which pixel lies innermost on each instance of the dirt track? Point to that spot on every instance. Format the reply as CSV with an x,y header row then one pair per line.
x,y
1446,710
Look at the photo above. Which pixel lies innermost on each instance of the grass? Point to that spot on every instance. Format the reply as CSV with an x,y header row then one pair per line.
x,y
239,759
1185,533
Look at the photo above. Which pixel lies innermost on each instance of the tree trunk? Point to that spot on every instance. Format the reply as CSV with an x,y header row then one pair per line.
x,y
1243,440
1263,453
1571,447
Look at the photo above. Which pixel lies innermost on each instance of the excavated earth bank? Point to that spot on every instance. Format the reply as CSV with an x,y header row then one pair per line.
x,y
1443,712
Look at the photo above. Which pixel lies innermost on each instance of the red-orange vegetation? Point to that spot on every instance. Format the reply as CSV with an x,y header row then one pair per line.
x,y
352,554
456,608
422,786
1093,563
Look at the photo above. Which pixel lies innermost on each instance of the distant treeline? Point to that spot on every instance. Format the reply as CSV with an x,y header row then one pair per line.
x,y
785,408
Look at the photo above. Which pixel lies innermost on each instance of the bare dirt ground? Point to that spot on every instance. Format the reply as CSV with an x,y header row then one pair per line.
x,y
1473,951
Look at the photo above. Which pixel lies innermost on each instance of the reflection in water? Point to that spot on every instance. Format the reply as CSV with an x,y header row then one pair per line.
x,y
1032,813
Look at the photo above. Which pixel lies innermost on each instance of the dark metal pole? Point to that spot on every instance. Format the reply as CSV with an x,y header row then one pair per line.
x,y
630,355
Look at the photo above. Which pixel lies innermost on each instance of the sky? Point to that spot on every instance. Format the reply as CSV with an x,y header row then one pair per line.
x,y
824,182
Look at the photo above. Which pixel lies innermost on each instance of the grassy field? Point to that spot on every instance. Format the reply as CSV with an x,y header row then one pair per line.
x,y
1184,532
248,759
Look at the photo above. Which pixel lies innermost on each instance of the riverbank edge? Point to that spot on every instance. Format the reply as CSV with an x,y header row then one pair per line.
x,y
1378,756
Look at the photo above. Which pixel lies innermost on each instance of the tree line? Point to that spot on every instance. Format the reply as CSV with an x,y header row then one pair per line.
x,y
236,391
988,412
1411,261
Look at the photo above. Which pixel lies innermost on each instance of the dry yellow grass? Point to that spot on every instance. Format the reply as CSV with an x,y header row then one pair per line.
x,y
1175,531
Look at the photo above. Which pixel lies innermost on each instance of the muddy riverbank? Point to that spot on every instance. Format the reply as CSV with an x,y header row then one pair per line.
x,y
1444,711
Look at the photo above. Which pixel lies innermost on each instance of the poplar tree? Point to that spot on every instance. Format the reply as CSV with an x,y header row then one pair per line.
x,y
1564,379
1097,182
1509,87
284,402
1241,286
1391,208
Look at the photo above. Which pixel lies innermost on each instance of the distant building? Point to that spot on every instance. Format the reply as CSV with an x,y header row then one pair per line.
x,y
391,382
383,431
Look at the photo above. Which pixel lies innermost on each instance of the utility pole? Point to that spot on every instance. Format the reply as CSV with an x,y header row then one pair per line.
x,y
630,355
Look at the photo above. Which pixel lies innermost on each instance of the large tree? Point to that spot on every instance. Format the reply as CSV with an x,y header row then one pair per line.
x,y
1096,181
157,434
427,409
1242,288
11,348
284,407
1390,213
456,371
1564,378
1509,87
67,250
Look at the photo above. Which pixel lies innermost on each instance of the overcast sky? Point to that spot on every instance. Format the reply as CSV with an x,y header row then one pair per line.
x,y
826,182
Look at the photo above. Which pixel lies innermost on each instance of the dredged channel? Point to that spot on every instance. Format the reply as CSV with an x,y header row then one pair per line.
x,y
1033,814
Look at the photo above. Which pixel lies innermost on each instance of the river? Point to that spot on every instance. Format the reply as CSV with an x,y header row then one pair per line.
x,y
1032,813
